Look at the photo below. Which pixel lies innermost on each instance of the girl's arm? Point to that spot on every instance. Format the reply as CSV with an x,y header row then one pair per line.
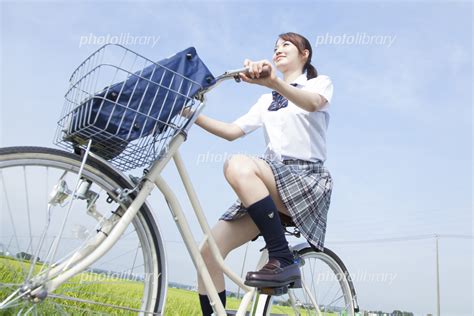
x,y
307,100
228,131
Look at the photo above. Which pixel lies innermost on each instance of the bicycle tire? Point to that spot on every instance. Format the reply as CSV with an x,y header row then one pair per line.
x,y
301,304
142,289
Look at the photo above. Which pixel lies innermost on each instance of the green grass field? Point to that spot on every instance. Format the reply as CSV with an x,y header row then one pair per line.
x,y
110,291
182,302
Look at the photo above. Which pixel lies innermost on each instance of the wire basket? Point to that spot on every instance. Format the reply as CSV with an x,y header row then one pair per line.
x,y
127,104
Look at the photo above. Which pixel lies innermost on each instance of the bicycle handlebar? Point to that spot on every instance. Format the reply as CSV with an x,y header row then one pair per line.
x,y
235,74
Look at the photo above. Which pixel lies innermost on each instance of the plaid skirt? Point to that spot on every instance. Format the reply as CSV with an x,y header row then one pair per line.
x,y
305,189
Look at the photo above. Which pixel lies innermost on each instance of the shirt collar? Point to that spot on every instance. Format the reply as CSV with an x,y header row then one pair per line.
x,y
301,80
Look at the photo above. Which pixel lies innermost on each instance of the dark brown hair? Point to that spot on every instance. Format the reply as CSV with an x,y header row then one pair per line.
x,y
302,43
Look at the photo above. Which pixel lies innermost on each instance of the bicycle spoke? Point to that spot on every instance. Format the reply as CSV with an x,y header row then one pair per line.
x,y
84,310
114,259
324,299
68,298
28,213
60,306
90,294
312,270
12,298
15,235
336,299
30,309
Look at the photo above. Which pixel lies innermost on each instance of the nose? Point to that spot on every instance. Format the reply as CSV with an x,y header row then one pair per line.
x,y
277,49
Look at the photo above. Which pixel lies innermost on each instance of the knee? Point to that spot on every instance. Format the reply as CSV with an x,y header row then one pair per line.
x,y
238,169
206,252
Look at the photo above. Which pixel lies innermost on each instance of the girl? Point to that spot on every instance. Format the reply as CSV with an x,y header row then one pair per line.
x,y
290,178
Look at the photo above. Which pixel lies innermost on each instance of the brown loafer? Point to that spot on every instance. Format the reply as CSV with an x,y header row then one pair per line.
x,y
273,275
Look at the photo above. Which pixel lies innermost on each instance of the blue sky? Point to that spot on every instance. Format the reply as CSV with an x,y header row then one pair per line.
x,y
400,136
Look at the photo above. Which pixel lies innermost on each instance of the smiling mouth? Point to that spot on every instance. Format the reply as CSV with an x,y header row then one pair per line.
x,y
279,57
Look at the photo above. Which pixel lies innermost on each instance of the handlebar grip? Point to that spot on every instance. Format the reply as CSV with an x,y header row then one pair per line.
x,y
265,72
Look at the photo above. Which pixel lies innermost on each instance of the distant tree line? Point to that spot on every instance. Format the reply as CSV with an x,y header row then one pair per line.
x,y
401,313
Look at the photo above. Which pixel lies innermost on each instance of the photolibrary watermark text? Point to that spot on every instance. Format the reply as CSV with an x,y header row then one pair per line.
x,y
221,157
358,276
359,38
112,276
125,39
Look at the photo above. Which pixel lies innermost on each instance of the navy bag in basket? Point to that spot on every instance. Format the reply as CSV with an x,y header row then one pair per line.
x,y
141,105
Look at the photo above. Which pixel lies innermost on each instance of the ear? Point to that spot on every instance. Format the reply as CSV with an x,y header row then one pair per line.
x,y
306,53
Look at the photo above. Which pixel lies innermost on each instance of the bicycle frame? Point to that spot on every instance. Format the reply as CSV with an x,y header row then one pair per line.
x,y
82,261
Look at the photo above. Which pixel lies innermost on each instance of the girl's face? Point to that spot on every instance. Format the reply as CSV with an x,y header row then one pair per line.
x,y
287,57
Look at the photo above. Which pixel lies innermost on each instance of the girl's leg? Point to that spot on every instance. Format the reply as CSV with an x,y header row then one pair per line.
x,y
246,176
228,236
253,181
241,231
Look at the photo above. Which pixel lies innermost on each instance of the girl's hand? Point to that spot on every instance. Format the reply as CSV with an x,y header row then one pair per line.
x,y
255,70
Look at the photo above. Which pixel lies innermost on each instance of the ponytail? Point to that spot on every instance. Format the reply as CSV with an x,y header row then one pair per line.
x,y
311,72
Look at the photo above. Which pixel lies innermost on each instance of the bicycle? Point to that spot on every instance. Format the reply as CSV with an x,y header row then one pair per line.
x,y
96,248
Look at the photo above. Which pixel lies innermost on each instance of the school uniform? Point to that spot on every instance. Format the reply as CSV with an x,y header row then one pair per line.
x,y
296,151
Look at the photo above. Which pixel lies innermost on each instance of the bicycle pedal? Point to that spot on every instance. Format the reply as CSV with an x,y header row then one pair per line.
x,y
295,285
274,291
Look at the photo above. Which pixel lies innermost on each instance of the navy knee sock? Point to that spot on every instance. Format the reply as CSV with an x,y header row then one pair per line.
x,y
206,305
265,215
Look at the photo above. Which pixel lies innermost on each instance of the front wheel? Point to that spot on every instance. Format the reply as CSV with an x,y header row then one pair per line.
x,y
44,223
326,288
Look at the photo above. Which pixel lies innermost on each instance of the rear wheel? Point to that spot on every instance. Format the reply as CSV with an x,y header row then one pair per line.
x,y
130,278
326,288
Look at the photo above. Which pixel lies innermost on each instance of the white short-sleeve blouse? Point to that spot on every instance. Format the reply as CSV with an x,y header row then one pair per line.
x,y
291,132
